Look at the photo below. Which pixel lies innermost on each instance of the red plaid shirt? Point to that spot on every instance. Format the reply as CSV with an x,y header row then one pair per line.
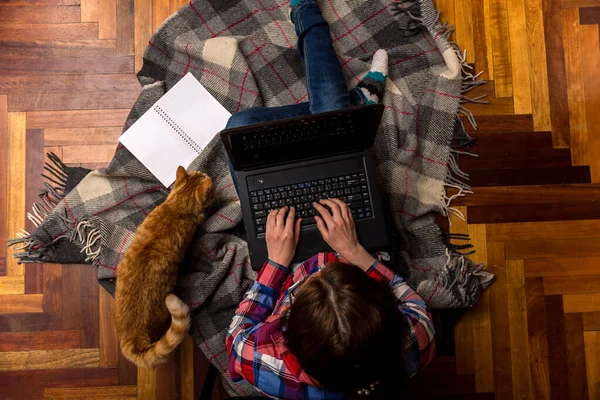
x,y
257,350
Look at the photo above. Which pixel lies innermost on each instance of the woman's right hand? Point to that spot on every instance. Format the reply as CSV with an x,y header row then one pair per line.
x,y
338,230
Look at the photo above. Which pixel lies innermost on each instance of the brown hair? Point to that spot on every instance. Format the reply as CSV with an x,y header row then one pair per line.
x,y
345,329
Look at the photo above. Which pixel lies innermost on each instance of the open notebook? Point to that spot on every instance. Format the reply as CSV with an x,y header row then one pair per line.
x,y
175,129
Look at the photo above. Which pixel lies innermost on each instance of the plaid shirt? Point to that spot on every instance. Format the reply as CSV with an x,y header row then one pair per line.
x,y
257,350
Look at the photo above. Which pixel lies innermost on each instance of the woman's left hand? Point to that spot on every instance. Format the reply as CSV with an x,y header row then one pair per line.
x,y
282,235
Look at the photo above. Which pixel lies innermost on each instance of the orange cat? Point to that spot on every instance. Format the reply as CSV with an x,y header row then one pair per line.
x,y
148,331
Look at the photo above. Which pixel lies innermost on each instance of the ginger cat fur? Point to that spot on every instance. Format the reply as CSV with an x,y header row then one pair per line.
x,y
147,330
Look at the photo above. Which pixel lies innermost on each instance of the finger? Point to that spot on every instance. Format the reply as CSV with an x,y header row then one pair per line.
x,y
327,218
289,223
280,217
271,220
322,228
335,207
345,211
297,229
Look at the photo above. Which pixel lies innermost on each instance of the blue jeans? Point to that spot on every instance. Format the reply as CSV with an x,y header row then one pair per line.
x,y
326,86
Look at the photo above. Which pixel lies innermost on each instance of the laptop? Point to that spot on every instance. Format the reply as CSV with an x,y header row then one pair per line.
x,y
296,161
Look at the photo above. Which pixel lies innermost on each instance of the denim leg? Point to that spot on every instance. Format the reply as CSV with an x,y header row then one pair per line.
x,y
326,86
257,115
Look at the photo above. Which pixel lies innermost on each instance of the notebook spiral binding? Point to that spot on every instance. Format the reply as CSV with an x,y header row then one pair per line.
x,y
178,130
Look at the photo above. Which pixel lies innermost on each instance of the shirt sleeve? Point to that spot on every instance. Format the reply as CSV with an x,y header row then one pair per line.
x,y
256,352
419,347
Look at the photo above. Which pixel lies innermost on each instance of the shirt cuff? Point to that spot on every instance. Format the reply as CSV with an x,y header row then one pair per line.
x,y
272,274
380,272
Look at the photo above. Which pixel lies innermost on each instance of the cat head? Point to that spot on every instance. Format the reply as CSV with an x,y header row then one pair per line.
x,y
192,191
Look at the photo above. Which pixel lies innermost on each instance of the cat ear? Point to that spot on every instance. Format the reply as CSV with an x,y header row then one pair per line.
x,y
182,174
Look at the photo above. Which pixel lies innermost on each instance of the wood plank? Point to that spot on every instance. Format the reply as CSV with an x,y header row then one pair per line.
x,y
109,343
446,8
538,72
69,84
77,118
142,29
160,12
16,166
519,333
482,326
591,321
590,45
167,378
90,307
4,143
557,355
72,101
81,154
501,48
589,15
48,359
483,42
13,385
101,392
531,176
579,3
10,14
72,312
89,10
562,267
464,28
551,194
538,344
501,123
73,65
576,357
575,87
58,49
572,284
34,276
552,248
543,230
45,340
21,303
30,322
175,5
50,32
127,371
559,107
501,323
532,212
12,284
146,383
592,362
519,56
107,19
588,302
124,28
496,106
82,136
53,291
186,351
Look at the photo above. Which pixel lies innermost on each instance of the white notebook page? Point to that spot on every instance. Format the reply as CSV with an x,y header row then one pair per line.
x,y
175,129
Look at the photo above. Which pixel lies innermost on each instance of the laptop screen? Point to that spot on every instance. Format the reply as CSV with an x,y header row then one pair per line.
x,y
300,138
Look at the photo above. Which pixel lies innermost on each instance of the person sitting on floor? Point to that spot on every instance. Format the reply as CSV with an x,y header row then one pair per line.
x,y
339,324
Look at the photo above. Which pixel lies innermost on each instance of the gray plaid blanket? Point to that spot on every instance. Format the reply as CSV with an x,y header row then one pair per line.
x,y
243,52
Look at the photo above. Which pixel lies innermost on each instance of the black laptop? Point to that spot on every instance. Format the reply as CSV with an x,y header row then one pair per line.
x,y
295,161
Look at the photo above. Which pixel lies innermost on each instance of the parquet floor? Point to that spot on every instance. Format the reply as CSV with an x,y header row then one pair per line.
x,y
67,81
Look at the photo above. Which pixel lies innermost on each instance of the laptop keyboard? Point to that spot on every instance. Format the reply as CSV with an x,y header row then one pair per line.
x,y
352,189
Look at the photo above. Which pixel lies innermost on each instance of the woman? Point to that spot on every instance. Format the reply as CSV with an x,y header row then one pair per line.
x,y
339,324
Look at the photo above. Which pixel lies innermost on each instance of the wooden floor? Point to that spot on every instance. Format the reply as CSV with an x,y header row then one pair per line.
x,y
67,82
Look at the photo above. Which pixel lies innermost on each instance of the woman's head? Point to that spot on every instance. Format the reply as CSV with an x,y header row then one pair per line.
x,y
345,328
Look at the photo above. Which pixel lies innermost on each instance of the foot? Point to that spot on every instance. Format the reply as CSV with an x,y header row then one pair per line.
x,y
370,89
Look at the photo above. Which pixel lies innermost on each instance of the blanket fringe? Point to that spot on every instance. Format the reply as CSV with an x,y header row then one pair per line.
x,y
89,236
459,272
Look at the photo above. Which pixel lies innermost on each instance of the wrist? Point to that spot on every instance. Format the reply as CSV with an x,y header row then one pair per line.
x,y
360,257
281,261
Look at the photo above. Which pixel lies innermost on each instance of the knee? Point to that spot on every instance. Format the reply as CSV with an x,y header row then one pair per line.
x,y
243,118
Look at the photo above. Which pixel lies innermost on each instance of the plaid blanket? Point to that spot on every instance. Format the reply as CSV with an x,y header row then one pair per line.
x,y
243,52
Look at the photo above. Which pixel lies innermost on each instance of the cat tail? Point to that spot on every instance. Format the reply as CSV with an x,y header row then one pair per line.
x,y
159,350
